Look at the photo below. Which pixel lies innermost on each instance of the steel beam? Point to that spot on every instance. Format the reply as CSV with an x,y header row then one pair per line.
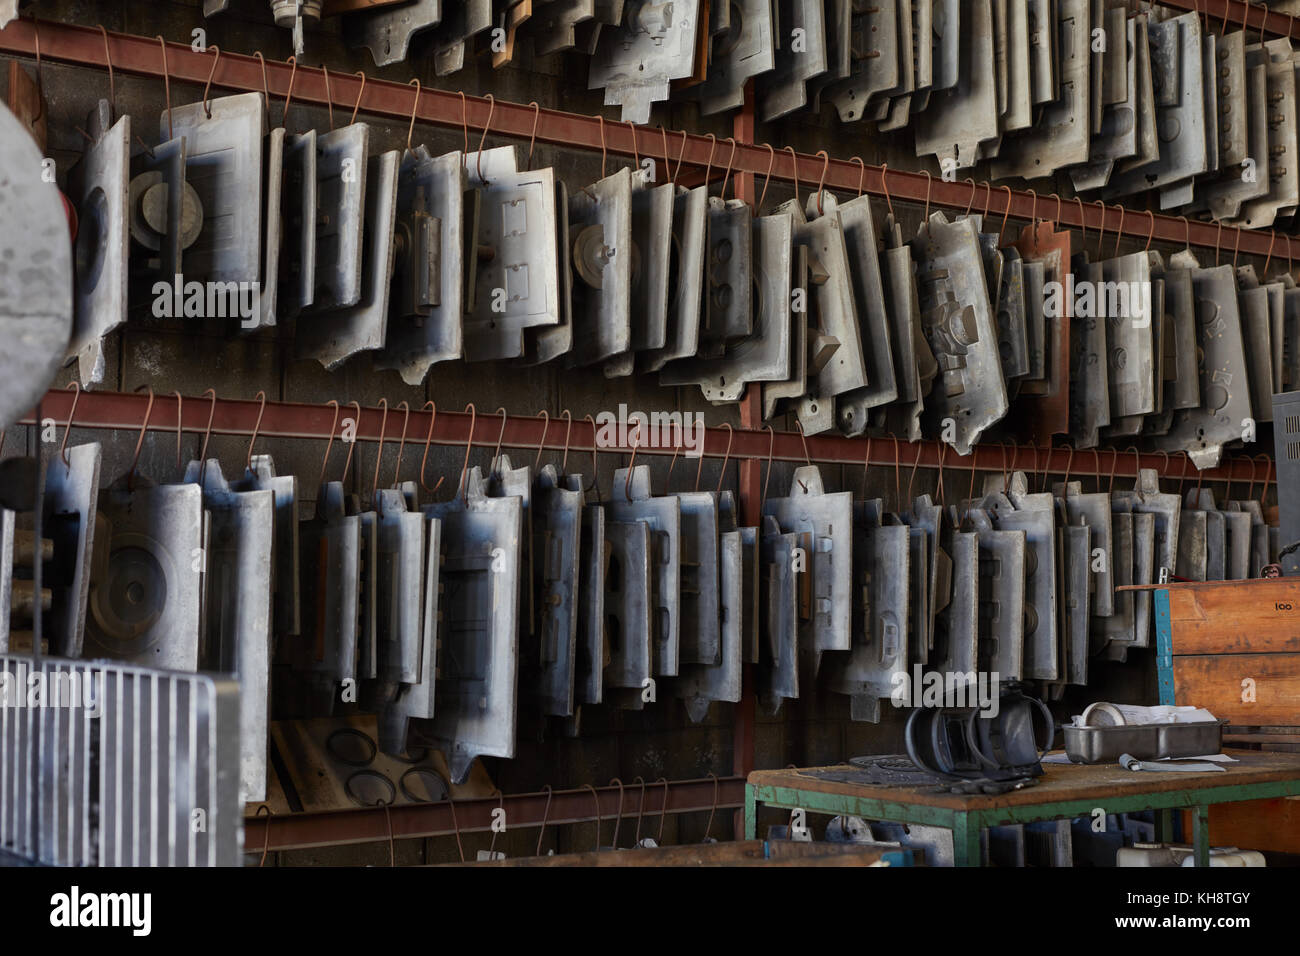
x,y
300,831
85,46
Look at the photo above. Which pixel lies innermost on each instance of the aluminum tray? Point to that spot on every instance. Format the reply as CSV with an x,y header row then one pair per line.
x,y
1143,741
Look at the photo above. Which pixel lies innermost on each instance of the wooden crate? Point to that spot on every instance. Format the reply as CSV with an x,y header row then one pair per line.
x,y
1233,647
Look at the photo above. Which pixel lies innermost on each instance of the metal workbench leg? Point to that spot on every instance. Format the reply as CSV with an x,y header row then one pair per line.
x,y
1201,835
1164,826
965,840
751,812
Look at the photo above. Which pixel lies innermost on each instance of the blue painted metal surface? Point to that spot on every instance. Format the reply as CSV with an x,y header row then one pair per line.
x,y
1164,648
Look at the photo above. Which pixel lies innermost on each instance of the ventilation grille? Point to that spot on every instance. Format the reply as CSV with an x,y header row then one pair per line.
x,y
105,764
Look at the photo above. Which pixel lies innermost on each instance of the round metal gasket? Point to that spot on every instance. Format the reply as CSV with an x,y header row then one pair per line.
x,y
386,785
433,784
342,755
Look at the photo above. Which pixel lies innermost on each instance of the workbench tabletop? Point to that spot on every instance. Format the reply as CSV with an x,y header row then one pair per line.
x,y
1059,783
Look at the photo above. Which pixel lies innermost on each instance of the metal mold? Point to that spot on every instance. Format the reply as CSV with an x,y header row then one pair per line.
x,y
701,684
427,303
261,476
387,33
636,62
223,162
298,213
958,323
701,641
689,245
557,537
333,337
764,355
633,501
71,503
745,50
956,629
481,568
237,566
518,288
825,522
100,190
341,189
778,667
460,23
872,44
959,120
1062,133
784,90
859,233
628,595
331,569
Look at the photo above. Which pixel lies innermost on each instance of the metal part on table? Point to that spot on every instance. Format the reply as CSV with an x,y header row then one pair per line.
x,y
333,337
116,778
297,284
637,61
100,190
481,567
331,570
146,584
629,584
428,295
36,301
71,503
1061,135
1143,741
237,562
518,220
778,665
784,90
387,33
765,355
223,160
633,501
958,323
557,535
744,51
959,119
341,169
823,237
690,242
824,522
1179,96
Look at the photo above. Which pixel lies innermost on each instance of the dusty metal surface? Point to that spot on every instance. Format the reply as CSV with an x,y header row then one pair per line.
x,y
859,232
476,703
71,503
600,225
333,337
784,90
100,188
778,664
387,33
690,242
633,501
636,62
428,294
963,114
519,221
341,168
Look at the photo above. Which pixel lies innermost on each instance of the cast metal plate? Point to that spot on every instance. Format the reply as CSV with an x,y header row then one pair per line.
x,y
632,501
341,189
965,114
387,32
298,213
100,188
635,63
784,90
333,337
690,241
71,503
778,666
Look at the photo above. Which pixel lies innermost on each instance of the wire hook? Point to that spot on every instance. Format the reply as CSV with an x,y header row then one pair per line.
x,y
428,438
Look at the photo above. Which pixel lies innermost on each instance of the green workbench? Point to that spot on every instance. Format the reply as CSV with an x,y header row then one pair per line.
x,y
1064,791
